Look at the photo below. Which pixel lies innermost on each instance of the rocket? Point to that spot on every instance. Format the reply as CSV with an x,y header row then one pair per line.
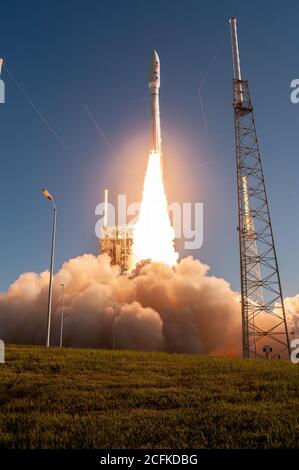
x,y
154,85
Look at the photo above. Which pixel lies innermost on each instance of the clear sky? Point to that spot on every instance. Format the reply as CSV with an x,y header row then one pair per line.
x,y
66,55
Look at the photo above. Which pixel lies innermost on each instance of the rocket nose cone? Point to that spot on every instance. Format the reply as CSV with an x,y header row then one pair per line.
x,y
154,71
155,57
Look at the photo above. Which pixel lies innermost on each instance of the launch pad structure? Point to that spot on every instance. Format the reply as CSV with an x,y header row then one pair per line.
x,y
264,326
116,241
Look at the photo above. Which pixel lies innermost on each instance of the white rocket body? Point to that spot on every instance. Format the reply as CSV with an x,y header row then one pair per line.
x,y
154,85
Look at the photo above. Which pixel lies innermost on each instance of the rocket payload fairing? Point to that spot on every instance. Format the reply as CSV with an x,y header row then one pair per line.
x,y
154,85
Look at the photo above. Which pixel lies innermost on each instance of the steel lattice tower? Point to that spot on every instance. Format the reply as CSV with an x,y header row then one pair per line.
x,y
264,326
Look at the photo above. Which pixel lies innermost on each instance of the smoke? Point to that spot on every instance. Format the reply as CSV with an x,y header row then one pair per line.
x,y
179,309
292,312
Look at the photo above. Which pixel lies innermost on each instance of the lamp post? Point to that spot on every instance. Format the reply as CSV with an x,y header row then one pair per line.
x,y
50,198
114,332
61,321
116,315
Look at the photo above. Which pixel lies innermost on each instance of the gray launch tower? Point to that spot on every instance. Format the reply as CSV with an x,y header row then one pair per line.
x,y
264,326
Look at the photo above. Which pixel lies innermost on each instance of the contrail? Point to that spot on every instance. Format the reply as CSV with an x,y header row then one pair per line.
x,y
205,76
204,114
211,64
40,115
101,133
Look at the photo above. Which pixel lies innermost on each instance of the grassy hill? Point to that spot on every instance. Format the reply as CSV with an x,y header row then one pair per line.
x,y
74,398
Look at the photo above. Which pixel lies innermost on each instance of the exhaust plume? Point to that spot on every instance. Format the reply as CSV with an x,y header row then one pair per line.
x,y
157,307
153,236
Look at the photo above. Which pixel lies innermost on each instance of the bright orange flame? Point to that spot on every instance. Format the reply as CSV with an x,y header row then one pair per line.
x,y
153,236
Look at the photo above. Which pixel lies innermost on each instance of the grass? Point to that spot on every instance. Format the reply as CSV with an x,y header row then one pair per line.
x,y
82,398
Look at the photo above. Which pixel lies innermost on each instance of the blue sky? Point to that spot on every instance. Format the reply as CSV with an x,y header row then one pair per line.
x,y
66,55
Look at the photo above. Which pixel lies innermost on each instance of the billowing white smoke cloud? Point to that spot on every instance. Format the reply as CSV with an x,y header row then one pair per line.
x,y
179,309
292,313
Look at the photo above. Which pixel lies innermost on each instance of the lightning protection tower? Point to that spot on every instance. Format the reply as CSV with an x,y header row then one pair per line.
x,y
264,326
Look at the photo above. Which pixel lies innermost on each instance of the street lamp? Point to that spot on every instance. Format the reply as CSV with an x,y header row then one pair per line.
x,y
61,321
116,315
48,196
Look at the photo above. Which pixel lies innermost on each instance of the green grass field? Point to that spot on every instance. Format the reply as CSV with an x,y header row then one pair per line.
x,y
75,398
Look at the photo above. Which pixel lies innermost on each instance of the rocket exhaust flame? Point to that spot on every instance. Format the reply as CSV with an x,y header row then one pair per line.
x,y
153,236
